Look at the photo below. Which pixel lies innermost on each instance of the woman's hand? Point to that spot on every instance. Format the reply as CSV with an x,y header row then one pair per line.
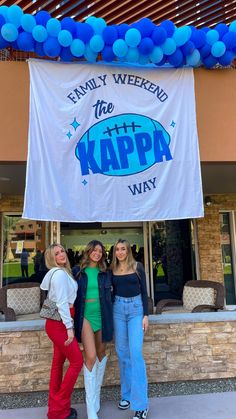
x,y
145,324
70,334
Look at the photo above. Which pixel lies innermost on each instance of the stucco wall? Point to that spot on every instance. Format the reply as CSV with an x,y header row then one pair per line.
x,y
215,99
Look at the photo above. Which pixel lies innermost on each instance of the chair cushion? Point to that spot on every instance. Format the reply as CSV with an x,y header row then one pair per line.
x,y
195,296
24,300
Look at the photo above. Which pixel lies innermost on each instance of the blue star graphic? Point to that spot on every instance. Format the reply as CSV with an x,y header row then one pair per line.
x,y
173,124
69,135
75,124
84,182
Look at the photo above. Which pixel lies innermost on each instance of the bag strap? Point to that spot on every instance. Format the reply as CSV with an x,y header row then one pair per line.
x,y
51,278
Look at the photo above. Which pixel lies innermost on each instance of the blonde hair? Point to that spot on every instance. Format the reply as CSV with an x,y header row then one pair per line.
x,y
50,259
131,262
85,262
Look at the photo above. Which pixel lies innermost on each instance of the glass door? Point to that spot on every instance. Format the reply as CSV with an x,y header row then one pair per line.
x,y
226,239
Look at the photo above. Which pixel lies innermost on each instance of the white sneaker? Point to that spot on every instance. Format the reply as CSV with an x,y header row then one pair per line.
x,y
124,404
141,414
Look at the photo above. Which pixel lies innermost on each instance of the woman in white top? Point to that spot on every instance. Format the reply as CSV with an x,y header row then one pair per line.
x,y
62,289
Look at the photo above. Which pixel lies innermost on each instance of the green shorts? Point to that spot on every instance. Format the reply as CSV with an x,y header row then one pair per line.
x,y
92,313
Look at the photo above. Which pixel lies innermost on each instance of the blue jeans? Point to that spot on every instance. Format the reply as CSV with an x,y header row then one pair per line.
x,y
128,316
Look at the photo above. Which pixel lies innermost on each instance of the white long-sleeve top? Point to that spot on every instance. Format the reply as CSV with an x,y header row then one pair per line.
x,y
62,290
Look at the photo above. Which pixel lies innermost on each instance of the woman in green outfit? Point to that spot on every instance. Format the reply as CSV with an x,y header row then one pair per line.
x,y
93,320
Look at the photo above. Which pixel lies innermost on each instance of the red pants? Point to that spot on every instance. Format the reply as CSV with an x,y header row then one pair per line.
x,y
61,388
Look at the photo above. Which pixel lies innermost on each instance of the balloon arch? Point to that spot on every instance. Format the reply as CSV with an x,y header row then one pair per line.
x,y
142,42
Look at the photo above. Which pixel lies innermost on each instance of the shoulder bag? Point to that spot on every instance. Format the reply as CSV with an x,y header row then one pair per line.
x,y
49,308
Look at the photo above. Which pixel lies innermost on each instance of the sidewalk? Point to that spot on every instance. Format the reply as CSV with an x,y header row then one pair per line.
x,y
199,406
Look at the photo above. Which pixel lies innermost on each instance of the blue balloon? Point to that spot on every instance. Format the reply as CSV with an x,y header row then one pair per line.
x,y
2,21
69,24
209,61
53,27
188,48
226,59
38,49
212,36
159,35
65,54
14,15
143,59
108,54
25,42
52,47
120,48
218,49
229,40
42,18
163,61
96,43
222,29
205,51
77,48
146,46
84,32
145,26
98,24
198,37
9,32
232,26
122,29
132,55
176,59
39,33
65,38
89,55
4,12
28,22
194,59
168,26
156,55
3,42
109,35
169,46
133,37
182,35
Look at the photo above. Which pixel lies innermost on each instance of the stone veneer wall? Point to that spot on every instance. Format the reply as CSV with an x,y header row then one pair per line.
x,y
208,231
173,352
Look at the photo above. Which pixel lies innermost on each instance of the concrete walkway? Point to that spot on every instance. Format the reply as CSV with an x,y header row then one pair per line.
x,y
199,406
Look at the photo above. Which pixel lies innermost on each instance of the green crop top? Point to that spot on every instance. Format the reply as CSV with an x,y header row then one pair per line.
x,y
92,288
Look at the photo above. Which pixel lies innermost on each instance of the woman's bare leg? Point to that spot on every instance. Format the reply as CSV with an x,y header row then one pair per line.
x,y
100,346
88,340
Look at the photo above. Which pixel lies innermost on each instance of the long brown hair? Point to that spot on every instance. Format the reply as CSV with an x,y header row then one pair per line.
x,y
85,262
50,259
131,262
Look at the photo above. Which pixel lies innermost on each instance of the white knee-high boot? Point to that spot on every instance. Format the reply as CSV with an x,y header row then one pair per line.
x,y
101,366
90,390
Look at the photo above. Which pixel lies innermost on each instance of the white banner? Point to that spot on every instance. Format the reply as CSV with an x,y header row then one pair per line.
x,y
111,143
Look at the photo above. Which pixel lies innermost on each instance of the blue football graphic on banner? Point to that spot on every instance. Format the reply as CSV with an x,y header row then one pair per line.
x,y
123,145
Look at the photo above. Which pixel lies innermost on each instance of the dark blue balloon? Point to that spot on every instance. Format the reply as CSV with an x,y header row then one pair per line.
x,y
146,46
69,24
229,40
109,35
122,29
226,59
159,35
209,61
108,54
38,49
84,32
222,28
198,37
145,26
169,26
205,50
52,47
188,48
3,42
42,17
25,42
205,29
65,54
163,61
176,59
2,21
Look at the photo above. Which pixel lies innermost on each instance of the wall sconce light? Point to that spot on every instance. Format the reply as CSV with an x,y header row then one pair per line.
x,y
208,201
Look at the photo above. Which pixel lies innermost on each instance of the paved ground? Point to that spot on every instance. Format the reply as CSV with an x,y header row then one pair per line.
x,y
198,406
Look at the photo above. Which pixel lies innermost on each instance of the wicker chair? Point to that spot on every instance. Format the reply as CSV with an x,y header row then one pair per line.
x,y
216,294
22,290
